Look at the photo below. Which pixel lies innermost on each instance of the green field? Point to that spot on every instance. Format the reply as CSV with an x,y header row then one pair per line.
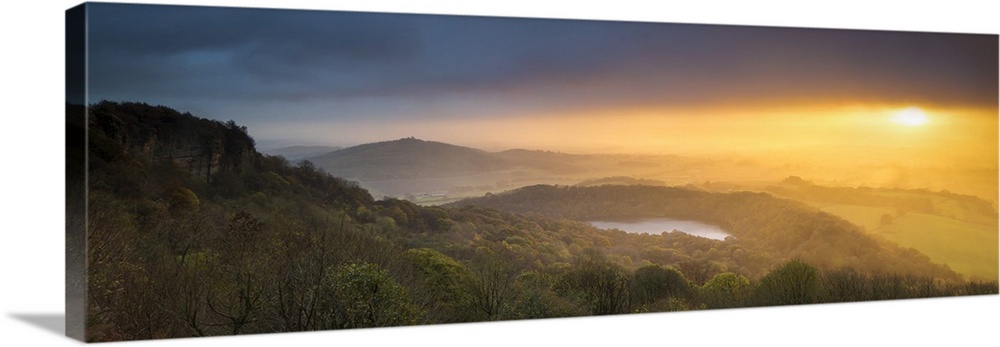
x,y
967,247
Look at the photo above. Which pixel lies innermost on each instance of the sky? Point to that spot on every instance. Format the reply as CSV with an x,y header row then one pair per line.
x,y
299,77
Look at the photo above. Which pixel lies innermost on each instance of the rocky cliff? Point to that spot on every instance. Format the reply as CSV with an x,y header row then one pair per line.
x,y
201,146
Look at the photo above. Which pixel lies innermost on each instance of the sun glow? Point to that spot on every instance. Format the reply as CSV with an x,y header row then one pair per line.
x,y
911,117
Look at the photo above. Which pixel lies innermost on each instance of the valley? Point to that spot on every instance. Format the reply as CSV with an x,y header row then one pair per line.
x,y
954,229
186,213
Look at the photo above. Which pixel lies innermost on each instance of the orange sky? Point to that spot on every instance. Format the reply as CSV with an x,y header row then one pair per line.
x,y
950,135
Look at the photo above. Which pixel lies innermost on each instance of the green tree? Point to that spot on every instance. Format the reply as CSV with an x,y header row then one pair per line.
x,y
725,290
886,219
700,270
847,284
242,275
651,283
794,283
599,285
363,295
536,298
492,285
443,286
181,199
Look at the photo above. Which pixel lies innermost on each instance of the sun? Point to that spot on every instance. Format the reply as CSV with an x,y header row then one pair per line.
x,y
912,116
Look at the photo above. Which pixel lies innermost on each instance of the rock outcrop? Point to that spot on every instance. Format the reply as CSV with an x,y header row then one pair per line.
x,y
201,146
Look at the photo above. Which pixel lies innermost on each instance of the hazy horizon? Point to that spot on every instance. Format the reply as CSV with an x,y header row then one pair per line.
x,y
828,100
687,133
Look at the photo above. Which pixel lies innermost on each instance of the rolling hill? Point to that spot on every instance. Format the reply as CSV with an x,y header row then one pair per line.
x,y
774,228
295,153
408,158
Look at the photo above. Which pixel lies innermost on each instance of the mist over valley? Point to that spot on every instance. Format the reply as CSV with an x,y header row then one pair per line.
x,y
242,171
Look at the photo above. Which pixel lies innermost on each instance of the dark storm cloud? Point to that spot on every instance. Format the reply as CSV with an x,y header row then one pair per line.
x,y
205,55
239,53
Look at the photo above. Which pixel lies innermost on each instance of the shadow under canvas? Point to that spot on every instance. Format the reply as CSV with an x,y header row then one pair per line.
x,y
52,322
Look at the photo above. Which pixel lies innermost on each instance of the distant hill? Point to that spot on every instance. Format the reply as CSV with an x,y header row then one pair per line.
x,y
554,162
620,180
414,158
407,158
783,229
295,153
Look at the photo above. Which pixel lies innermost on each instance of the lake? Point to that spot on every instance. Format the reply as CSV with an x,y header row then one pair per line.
x,y
658,225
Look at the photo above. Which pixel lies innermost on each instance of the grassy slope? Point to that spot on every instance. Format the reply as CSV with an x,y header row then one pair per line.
x,y
966,247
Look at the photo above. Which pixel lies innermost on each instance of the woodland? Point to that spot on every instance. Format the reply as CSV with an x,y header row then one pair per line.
x,y
190,231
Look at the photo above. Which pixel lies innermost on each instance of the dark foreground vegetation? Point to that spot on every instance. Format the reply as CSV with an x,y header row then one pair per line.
x,y
192,232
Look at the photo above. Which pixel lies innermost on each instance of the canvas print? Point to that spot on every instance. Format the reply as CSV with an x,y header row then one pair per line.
x,y
245,171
